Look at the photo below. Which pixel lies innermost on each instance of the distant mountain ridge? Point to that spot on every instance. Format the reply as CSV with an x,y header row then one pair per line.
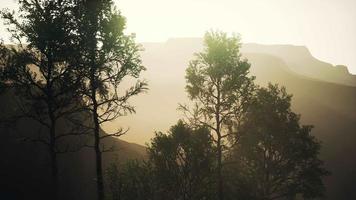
x,y
298,58
324,95
328,104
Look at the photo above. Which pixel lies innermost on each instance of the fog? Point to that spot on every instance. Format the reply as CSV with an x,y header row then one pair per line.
x,y
326,27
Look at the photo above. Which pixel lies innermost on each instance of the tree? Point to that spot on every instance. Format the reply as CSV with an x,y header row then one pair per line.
x,y
218,82
40,70
183,163
180,165
276,157
133,180
108,57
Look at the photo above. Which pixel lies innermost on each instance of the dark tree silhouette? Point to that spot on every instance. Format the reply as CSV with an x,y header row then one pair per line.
x,y
218,82
180,165
276,157
133,180
183,163
108,56
39,70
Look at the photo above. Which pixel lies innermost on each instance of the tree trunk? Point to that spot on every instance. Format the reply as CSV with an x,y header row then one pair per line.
x,y
220,178
99,171
98,156
219,144
52,132
53,156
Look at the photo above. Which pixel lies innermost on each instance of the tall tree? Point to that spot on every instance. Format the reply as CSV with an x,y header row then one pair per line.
x,y
218,82
108,57
276,157
39,70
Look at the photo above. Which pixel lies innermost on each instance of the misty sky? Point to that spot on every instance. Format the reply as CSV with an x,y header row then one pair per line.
x,y
326,27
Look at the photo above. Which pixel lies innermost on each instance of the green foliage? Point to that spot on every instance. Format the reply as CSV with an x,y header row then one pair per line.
x,y
183,163
218,76
132,181
276,157
78,51
218,83
75,58
40,70
108,56
180,166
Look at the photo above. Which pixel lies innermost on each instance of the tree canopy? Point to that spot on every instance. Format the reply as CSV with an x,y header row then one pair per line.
x,y
108,56
220,86
276,157
183,162
239,141
39,69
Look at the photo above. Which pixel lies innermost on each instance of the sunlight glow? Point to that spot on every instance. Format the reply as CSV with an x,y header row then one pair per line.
x,y
326,27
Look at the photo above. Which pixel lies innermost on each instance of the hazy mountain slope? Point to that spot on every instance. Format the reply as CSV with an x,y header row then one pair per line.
x,y
299,59
330,107
24,166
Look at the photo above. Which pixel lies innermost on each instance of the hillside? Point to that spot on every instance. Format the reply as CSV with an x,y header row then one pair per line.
x,y
328,105
324,97
24,165
300,61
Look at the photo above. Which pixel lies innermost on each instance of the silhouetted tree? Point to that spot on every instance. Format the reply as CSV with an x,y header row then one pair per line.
x,y
276,157
114,181
108,56
39,70
218,82
183,163
133,180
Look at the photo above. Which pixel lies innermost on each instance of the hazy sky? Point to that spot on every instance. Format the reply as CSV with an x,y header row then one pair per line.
x,y
326,27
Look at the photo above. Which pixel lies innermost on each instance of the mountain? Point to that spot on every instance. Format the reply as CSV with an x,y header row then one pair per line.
x,y
299,60
323,94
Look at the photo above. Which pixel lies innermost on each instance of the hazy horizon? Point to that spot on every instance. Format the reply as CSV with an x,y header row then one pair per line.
x,y
185,99
166,64
327,28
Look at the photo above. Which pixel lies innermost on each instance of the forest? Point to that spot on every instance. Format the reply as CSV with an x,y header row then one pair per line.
x,y
72,68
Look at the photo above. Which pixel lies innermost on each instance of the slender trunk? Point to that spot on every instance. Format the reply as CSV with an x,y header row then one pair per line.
x,y
98,156
52,131
219,145
94,8
220,178
53,156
